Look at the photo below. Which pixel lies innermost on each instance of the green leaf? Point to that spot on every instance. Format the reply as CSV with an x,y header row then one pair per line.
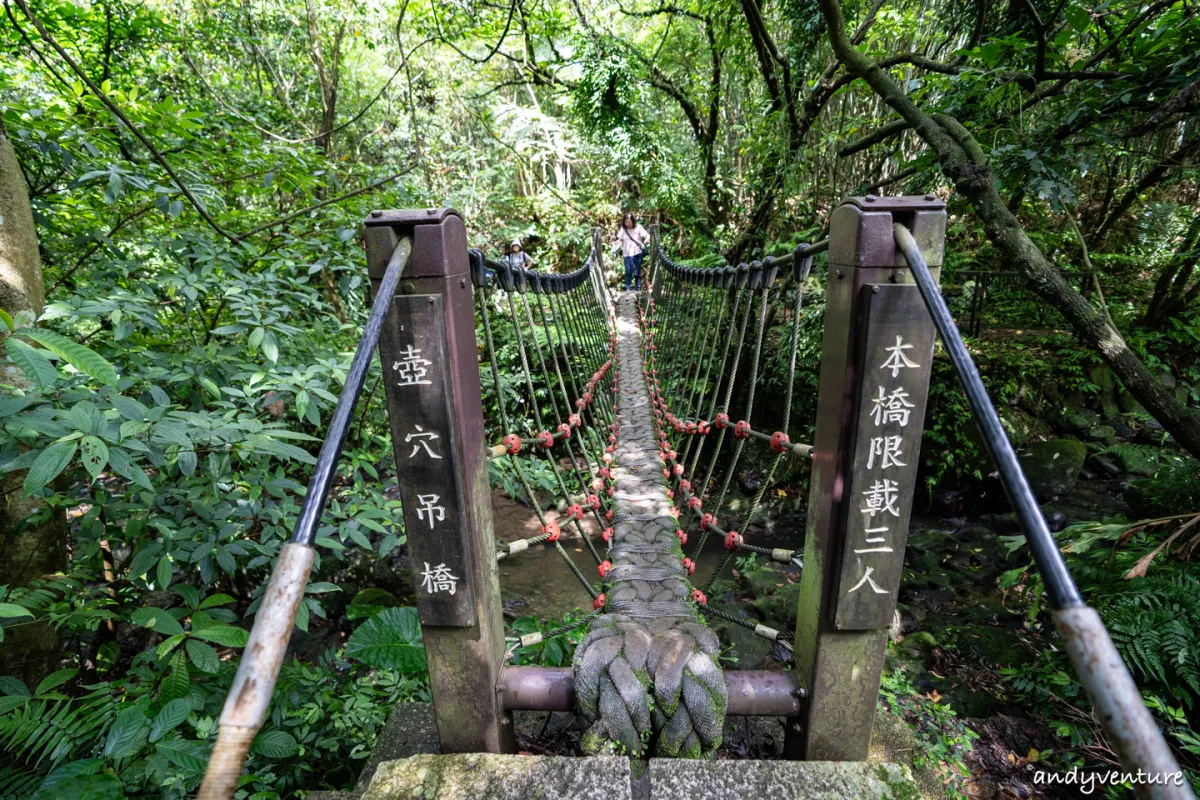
x,y
94,454
127,735
33,364
55,679
8,703
270,347
13,687
275,744
191,756
7,320
169,718
225,635
128,408
204,658
8,610
48,465
119,460
169,644
162,573
156,620
215,600
178,682
78,356
390,640
102,786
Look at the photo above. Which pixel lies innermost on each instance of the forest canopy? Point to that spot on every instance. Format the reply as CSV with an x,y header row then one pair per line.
x,y
182,285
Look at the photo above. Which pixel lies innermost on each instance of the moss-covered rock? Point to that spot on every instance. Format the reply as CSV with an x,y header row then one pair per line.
x,y
1053,466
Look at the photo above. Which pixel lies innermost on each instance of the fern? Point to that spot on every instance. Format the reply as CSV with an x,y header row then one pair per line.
x,y
53,728
1155,624
16,784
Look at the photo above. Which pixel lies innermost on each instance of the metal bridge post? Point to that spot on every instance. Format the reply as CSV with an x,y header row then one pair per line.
x,y
431,374
875,367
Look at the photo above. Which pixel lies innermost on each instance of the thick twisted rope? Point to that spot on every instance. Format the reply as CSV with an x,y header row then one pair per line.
x,y
646,675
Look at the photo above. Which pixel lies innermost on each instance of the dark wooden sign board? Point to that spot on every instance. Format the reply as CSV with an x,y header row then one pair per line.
x,y
415,364
894,366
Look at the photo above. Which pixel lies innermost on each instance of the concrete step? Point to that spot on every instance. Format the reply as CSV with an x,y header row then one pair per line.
x,y
483,776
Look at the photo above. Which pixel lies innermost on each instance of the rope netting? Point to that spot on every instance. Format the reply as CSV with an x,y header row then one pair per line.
x,y
647,676
700,361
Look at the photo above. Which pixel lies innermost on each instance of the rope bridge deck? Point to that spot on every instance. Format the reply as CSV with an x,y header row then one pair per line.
x,y
647,670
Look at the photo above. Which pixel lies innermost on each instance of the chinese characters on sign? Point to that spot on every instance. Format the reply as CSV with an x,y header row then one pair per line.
x,y
423,436
895,367
410,368
438,579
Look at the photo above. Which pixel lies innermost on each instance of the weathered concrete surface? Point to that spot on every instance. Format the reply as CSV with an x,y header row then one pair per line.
x,y
779,780
487,776
409,730
892,741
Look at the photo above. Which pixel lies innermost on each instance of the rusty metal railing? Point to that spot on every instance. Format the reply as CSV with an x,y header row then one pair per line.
x,y
246,705
1118,704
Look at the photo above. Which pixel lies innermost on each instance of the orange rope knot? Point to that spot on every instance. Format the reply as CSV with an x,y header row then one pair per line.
x,y
780,442
672,455
689,565
608,515
598,603
685,485
574,421
552,531
681,535
605,567
674,512
694,503
722,421
742,429
604,472
690,428
512,444
666,472
546,439
699,597
564,429
597,485
574,511
593,502
607,535
678,470
733,540
703,427
670,494
707,521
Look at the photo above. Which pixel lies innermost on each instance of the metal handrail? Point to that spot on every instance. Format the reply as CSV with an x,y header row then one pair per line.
x,y
1135,736
246,704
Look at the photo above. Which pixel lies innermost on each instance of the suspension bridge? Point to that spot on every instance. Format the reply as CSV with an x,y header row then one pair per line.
x,y
642,406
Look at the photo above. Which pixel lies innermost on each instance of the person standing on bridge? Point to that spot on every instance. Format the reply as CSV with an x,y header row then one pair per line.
x,y
517,257
632,239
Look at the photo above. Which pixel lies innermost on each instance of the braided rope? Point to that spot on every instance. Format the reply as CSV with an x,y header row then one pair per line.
x,y
646,674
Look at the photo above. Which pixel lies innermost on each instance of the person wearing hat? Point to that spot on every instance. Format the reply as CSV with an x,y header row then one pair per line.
x,y
517,257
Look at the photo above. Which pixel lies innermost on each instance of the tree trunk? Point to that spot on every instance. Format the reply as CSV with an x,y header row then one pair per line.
x,y
963,163
33,547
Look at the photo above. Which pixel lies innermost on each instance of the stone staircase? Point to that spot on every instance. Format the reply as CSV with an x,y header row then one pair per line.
x,y
405,765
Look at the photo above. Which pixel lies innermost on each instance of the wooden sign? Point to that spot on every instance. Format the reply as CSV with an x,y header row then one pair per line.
x,y
895,355
413,351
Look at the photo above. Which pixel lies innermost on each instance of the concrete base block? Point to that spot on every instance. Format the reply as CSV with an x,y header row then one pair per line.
x,y
484,776
681,779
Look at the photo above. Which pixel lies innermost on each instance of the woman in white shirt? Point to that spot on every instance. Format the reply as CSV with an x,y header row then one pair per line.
x,y
632,239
